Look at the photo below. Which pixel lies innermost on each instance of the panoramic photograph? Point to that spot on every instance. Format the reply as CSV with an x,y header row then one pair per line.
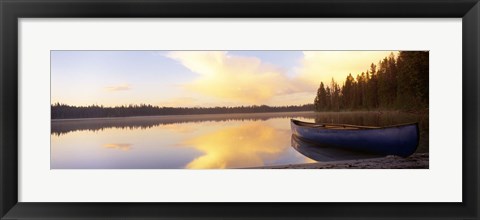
x,y
239,109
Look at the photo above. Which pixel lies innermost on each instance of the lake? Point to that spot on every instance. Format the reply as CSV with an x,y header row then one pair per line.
x,y
199,141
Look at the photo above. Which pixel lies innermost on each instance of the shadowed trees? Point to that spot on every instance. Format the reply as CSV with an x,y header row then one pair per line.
x,y
62,111
320,102
395,83
413,85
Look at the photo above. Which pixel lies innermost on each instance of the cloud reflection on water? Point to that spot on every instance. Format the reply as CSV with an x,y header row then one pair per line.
x,y
197,142
250,144
122,147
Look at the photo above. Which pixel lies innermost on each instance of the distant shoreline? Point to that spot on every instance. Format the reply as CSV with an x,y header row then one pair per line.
x,y
187,116
221,115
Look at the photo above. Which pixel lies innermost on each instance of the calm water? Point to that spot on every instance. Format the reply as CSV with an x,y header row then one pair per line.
x,y
198,142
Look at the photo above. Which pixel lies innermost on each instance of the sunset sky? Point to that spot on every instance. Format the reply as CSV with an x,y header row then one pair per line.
x,y
200,78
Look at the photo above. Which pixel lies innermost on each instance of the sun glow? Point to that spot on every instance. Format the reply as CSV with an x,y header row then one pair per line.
x,y
201,78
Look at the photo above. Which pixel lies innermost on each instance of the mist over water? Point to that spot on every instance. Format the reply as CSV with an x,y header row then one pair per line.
x,y
198,141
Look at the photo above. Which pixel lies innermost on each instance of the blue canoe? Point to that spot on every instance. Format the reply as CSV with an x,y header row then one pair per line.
x,y
400,140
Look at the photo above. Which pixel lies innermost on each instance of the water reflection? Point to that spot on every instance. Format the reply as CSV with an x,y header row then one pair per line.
x,y
123,147
64,126
251,144
199,142
325,153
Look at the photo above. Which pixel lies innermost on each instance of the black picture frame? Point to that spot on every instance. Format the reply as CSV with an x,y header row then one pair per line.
x,y
12,10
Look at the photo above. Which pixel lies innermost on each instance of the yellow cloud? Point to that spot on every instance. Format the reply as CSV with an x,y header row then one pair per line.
x,y
122,87
321,66
244,146
244,79
248,80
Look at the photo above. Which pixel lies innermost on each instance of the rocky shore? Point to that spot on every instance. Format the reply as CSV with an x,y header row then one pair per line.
x,y
415,161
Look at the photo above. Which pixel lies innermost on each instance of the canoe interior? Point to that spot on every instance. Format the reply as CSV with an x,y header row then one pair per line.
x,y
341,126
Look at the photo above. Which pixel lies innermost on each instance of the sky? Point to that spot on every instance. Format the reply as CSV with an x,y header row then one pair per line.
x,y
200,78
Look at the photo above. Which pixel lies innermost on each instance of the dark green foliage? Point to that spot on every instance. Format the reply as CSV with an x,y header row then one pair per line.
x,y
413,80
348,92
396,83
335,96
320,102
372,87
328,99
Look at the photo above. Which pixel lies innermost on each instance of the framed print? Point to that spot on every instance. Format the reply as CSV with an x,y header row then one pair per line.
x,y
257,105
227,109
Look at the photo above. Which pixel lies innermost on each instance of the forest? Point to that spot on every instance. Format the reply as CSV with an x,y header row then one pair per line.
x,y
62,111
396,83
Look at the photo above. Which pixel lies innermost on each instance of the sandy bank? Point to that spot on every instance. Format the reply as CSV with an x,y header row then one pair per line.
x,y
415,161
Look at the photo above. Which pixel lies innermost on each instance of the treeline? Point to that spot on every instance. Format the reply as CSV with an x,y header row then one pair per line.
x,y
64,127
395,83
63,111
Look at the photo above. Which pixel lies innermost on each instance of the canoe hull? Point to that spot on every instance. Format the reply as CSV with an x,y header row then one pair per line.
x,y
325,153
399,140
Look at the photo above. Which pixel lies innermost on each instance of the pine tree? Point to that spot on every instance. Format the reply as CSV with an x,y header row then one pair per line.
x,y
396,82
321,98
